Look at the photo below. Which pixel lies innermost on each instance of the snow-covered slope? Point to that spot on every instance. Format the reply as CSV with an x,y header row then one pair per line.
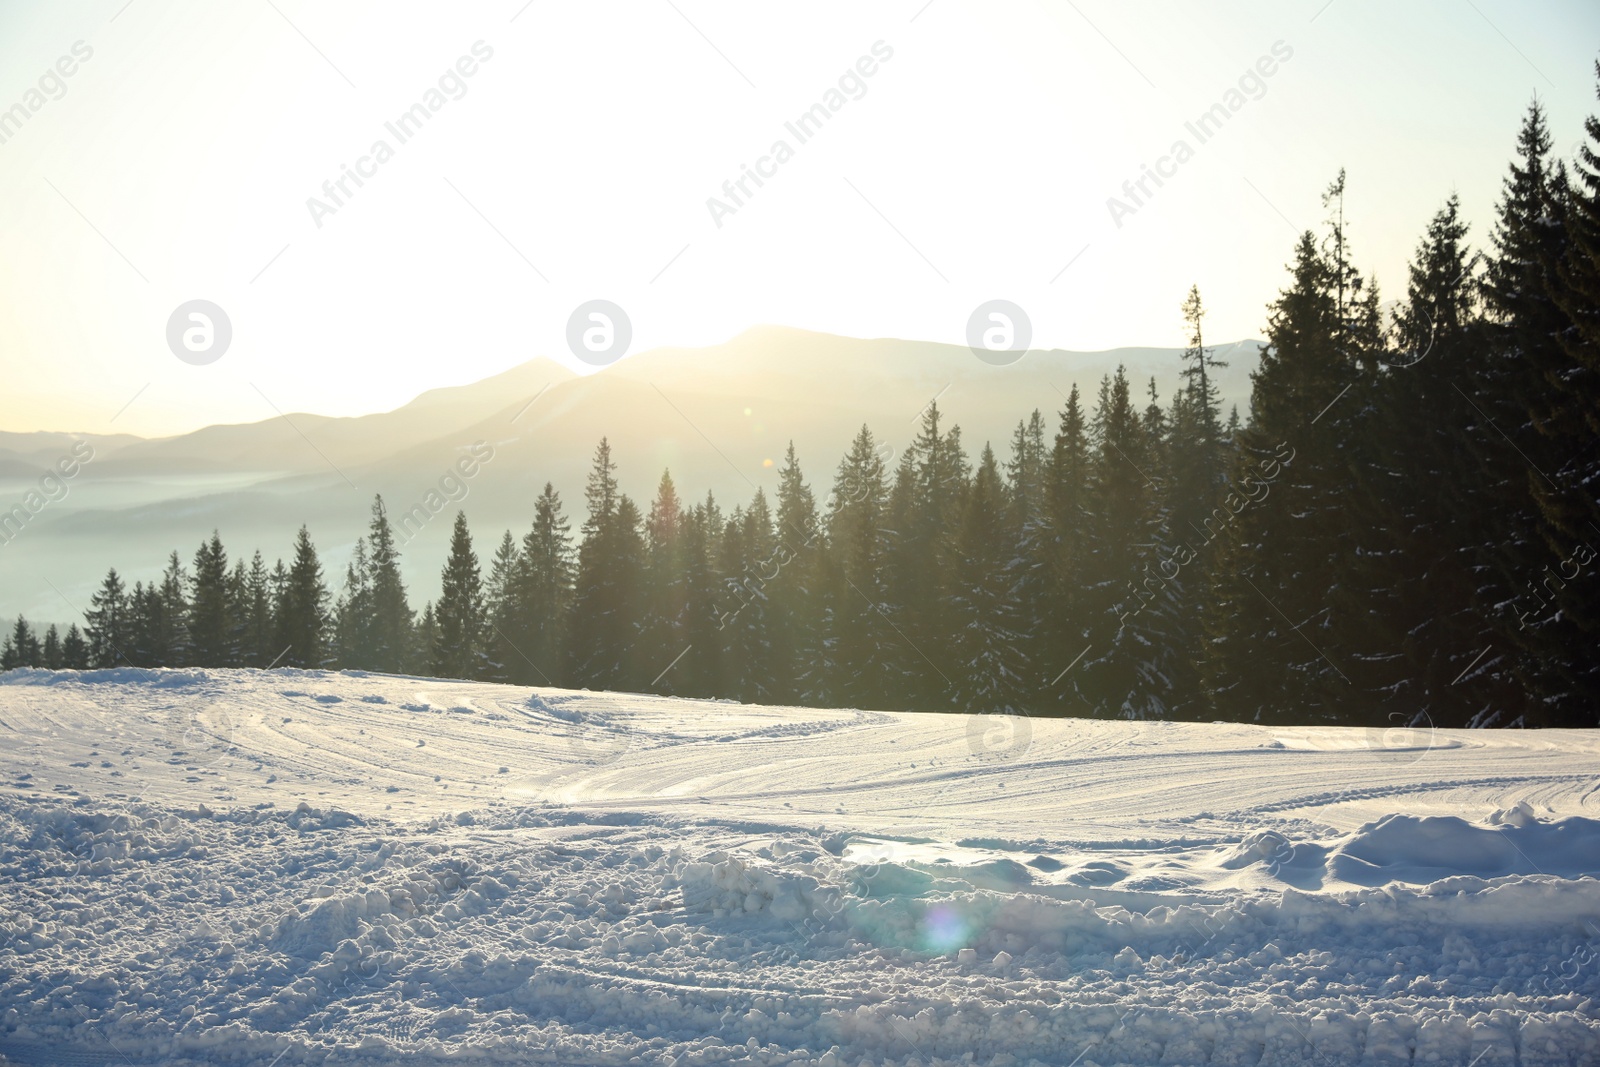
x,y
243,867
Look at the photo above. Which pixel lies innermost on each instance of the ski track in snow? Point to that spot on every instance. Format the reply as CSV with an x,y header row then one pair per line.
x,y
296,867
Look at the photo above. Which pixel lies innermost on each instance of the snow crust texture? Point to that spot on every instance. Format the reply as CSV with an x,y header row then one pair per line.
x,y
295,867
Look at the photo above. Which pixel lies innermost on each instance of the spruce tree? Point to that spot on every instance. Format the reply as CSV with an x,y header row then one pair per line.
x,y
607,610
544,594
1568,503
700,672
988,664
106,622
353,613
21,647
858,645
1126,612
1428,579
1282,631
458,649
744,602
920,526
1028,533
1541,285
786,577
256,611
391,638
502,611
1065,557
177,650
303,621
211,609
665,579
74,650
145,625
50,652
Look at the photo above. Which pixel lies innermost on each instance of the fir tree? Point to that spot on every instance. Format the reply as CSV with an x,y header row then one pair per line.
x,y
21,647
858,644
987,660
390,638
303,621
211,609
106,622
786,578
607,613
544,594
256,613
74,650
458,649
353,612
503,612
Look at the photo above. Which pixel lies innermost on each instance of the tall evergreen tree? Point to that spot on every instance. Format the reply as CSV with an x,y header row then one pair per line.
x,y
858,644
211,609
787,578
303,621
607,611
177,649
74,650
106,622
1065,556
1282,628
391,634
666,592
1428,579
544,594
256,613
988,660
50,651
354,640
502,612
458,650
1539,398
22,647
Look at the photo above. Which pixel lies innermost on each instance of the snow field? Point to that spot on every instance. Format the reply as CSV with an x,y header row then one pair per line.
x,y
671,882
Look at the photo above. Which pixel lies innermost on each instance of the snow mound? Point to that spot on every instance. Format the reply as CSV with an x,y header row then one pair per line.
x,y
725,885
1423,849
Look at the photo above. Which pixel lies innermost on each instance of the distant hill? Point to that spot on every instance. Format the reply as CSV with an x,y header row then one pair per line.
x,y
715,416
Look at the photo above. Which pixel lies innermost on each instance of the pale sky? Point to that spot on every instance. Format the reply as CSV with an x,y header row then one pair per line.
x,y
175,163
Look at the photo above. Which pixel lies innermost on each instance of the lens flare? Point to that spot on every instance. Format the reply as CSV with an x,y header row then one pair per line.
x,y
943,929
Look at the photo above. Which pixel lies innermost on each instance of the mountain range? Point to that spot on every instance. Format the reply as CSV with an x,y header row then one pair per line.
x,y
720,418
